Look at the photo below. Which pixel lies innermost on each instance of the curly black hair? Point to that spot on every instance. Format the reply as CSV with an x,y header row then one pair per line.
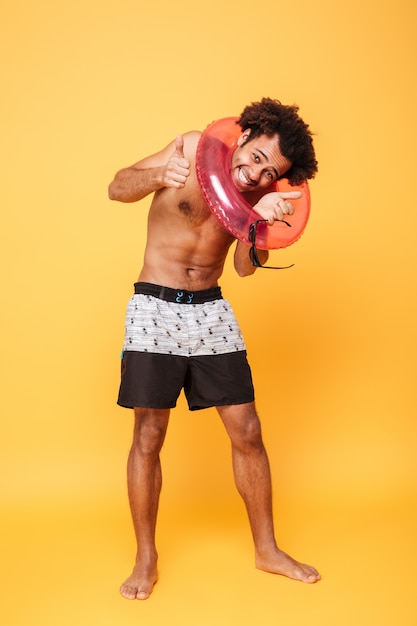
x,y
270,117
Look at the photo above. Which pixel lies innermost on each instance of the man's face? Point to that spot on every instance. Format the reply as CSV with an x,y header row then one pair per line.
x,y
257,163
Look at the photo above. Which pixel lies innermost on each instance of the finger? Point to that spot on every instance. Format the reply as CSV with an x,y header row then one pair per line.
x,y
285,207
176,183
279,214
179,146
290,194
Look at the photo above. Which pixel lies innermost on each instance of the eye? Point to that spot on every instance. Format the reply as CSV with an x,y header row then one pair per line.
x,y
256,157
269,175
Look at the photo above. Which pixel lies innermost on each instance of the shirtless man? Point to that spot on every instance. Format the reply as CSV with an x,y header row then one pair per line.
x,y
181,333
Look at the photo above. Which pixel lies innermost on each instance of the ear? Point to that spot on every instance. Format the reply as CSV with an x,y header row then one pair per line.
x,y
243,137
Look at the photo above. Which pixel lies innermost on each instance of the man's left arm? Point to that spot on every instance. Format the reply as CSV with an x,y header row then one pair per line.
x,y
242,262
272,206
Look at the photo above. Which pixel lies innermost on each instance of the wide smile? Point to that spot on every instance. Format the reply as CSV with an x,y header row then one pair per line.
x,y
243,179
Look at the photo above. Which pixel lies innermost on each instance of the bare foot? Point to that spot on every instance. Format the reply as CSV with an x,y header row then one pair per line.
x,y
140,583
278,562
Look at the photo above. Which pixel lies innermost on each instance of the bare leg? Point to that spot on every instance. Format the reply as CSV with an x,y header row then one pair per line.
x,y
144,486
253,481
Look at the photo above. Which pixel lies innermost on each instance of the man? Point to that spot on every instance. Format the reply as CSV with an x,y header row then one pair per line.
x,y
181,333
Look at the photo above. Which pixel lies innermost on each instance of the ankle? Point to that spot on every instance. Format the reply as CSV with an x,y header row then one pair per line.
x,y
266,549
146,556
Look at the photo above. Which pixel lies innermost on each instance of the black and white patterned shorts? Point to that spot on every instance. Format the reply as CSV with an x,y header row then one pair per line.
x,y
173,343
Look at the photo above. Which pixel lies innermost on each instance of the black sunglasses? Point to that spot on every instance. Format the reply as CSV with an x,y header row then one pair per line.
x,y
253,253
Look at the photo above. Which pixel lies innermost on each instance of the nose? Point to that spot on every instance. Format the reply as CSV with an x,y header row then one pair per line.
x,y
255,174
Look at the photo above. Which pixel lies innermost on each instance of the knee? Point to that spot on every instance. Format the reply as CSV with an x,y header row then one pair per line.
x,y
248,435
149,435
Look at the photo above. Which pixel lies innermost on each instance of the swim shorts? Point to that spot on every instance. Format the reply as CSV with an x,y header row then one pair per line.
x,y
177,339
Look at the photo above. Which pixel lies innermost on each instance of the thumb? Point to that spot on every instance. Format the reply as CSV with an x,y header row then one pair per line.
x,y
179,146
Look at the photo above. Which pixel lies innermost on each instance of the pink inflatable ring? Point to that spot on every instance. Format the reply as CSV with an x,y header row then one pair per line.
x,y
213,164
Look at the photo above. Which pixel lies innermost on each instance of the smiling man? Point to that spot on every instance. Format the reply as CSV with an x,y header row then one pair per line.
x,y
258,163
182,334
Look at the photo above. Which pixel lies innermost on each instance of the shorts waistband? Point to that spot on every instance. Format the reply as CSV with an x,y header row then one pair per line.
x,y
181,296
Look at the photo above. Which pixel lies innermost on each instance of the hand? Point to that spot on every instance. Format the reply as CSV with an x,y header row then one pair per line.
x,y
274,206
177,169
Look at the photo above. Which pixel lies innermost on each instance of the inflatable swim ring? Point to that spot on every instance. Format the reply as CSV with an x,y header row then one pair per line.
x,y
213,164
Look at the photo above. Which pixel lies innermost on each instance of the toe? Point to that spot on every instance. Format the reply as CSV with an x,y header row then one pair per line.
x,y
128,592
313,577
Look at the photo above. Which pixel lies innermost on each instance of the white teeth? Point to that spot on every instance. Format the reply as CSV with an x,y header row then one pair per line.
x,y
243,177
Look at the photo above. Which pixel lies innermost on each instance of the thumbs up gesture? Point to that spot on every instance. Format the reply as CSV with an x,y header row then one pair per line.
x,y
177,169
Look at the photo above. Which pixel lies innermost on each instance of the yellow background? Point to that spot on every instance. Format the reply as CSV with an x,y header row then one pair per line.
x,y
89,87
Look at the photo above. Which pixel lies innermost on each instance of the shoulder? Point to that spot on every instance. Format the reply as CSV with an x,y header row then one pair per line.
x,y
192,135
191,139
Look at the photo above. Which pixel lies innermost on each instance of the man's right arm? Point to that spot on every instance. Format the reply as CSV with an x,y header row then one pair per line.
x,y
134,183
167,168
